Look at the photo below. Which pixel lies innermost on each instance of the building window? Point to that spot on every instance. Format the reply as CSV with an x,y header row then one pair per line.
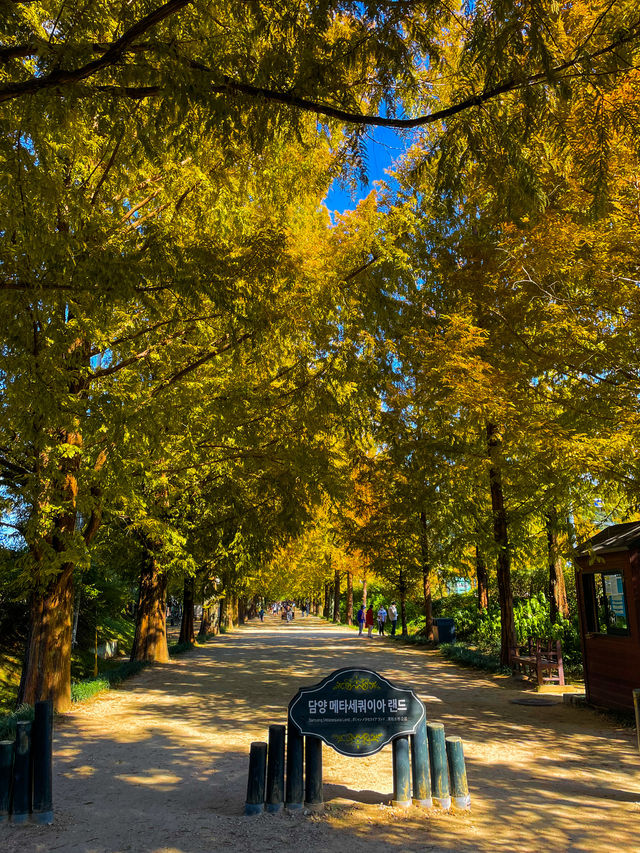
x,y
605,603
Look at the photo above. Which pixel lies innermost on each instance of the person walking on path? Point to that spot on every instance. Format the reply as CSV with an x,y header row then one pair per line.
x,y
393,617
382,618
261,614
368,620
360,619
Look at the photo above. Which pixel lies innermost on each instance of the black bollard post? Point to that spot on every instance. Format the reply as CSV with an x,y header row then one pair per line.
x,y
6,772
313,799
22,773
257,774
438,763
275,769
420,767
401,773
295,769
42,752
457,773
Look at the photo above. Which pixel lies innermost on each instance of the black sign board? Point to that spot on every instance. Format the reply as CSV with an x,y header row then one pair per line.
x,y
356,711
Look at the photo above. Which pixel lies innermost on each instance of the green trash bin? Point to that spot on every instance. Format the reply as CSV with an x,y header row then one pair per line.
x,y
446,629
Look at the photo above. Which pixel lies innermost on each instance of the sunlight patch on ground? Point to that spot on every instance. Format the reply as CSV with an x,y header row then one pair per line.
x,y
158,779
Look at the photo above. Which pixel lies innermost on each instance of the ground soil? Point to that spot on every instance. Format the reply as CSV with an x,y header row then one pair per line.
x,y
160,766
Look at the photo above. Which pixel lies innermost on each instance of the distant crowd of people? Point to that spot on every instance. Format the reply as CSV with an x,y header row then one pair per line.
x,y
366,619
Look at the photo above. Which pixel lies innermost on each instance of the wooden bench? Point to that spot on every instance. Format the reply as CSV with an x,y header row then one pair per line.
x,y
542,658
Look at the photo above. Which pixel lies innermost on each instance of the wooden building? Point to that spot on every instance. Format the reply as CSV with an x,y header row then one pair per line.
x,y
608,586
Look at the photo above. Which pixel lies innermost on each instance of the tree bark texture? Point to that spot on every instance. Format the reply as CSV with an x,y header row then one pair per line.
x,y
482,576
187,626
426,578
46,672
501,538
46,669
558,603
403,603
325,609
150,639
349,614
205,624
336,596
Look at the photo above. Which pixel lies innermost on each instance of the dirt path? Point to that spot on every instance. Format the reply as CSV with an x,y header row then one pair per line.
x,y
160,765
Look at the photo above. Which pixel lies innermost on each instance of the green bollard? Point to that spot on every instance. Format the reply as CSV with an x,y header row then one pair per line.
x,y
42,752
313,799
274,801
257,772
295,769
401,773
438,763
457,773
22,781
6,771
420,767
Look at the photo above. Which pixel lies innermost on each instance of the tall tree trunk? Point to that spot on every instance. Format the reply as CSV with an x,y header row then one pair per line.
x,y
501,538
187,627
482,577
325,609
364,592
205,624
222,618
349,614
403,604
242,610
76,615
46,672
150,639
336,596
426,577
557,591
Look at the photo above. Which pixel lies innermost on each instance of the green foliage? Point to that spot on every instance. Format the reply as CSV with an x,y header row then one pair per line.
x,y
8,721
472,657
180,648
82,690
85,689
532,619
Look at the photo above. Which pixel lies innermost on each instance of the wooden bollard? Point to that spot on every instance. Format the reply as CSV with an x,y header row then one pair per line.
x,y
42,752
295,768
401,773
420,767
313,799
21,807
457,773
274,800
6,772
438,764
257,773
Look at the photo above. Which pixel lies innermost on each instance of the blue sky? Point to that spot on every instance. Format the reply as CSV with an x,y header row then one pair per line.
x,y
384,145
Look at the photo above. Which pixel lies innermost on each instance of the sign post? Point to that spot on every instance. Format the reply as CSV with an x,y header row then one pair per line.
x,y
356,711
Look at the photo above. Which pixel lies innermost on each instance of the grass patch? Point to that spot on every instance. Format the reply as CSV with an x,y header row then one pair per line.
x,y
85,689
472,657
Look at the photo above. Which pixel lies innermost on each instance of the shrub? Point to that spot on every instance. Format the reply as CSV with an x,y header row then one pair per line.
x,y
472,657
8,721
180,648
